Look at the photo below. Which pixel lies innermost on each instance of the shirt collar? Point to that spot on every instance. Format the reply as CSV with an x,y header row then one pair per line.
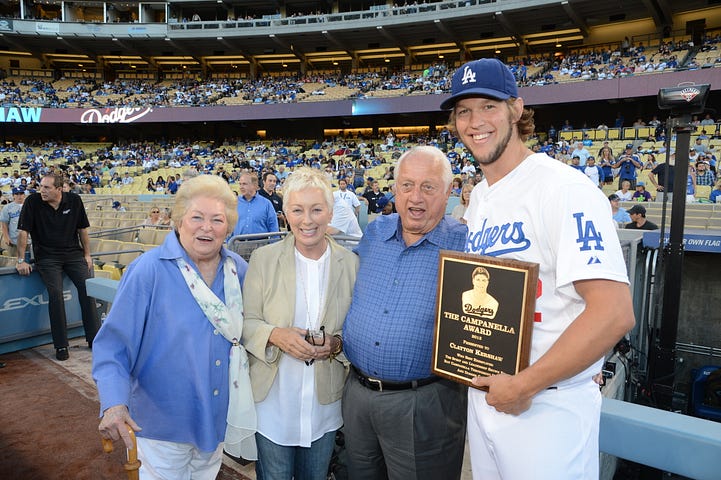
x,y
391,229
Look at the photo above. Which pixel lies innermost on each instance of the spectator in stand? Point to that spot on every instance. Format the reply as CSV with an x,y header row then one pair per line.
x,y
345,195
153,217
372,196
255,212
150,186
456,187
172,185
606,162
638,219
593,172
581,152
641,195
628,163
268,191
460,209
9,217
620,215
663,176
704,175
715,193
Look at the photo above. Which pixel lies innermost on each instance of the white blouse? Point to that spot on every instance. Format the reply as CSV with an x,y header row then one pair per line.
x,y
291,415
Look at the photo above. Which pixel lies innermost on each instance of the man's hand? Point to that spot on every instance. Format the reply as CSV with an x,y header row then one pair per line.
x,y
113,424
89,261
24,268
505,393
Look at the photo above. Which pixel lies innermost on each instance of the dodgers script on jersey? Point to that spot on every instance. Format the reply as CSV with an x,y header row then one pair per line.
x,y
548,213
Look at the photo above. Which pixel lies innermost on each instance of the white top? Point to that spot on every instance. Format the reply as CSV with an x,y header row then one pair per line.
x,y
625,197
344,219
349,197
291,415
547,213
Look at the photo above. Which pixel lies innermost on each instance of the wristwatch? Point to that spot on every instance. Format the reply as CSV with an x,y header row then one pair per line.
x,y
21,260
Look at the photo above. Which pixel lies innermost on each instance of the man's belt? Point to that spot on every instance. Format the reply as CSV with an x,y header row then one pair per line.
x,y
381,385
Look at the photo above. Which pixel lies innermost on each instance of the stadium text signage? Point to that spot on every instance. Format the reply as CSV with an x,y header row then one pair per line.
x,y
21,115
114,115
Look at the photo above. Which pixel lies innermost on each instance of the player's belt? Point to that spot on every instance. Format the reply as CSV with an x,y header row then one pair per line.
x,y
379,385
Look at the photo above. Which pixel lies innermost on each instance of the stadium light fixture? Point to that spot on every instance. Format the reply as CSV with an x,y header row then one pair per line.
x,y
558,44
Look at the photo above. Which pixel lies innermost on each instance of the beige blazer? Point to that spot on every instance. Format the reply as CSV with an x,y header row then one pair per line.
x,y
269,302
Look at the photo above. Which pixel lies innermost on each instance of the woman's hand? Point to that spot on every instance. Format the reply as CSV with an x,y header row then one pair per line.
x,y
113,424
292,341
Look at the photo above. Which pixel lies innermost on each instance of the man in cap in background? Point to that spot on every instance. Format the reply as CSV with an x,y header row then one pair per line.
x,y
638,219
628,163
619,214
549,412
9,217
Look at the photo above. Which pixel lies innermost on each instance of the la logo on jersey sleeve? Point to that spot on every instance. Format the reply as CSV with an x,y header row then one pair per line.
x,y
589,238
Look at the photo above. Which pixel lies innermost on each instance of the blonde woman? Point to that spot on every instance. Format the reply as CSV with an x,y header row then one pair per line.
x,y
296,297
460,209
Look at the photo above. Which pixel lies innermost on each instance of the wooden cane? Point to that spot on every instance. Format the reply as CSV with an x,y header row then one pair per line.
x,y
133,464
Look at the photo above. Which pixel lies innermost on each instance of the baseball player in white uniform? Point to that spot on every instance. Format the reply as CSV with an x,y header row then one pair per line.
x,y
541,423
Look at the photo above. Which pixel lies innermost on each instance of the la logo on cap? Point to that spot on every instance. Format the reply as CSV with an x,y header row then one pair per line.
x,y
468,76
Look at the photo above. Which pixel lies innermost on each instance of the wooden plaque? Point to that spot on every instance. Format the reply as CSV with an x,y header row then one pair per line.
x,y
484,316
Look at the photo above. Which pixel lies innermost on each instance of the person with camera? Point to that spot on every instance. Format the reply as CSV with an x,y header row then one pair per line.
x,y
627,164
296,296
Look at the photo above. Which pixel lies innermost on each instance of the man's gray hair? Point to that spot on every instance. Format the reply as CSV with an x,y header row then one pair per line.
x,y
437,155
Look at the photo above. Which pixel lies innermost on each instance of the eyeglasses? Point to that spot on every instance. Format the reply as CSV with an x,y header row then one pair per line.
x,y
315,338
155,211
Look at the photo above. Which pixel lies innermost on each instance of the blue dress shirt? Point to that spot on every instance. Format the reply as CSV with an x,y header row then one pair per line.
x,y
388,332
256,215
158,354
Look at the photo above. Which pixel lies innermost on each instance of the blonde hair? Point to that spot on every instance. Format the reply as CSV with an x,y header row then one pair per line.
x,y
468,186
210,186
304,178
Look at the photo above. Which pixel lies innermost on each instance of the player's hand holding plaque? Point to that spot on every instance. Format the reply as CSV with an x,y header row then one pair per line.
x,y
485,316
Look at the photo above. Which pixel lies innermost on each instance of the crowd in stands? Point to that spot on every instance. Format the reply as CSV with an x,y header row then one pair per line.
x,y
593,64
115,167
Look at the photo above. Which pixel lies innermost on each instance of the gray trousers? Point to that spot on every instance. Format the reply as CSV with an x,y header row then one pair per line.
x,y
406,434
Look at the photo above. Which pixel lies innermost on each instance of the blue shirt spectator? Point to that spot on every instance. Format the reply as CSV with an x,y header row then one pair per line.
x,y
255,213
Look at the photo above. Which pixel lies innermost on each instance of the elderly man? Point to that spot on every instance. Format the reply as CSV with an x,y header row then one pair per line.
x,y
58,225
550,410
255,213
401,422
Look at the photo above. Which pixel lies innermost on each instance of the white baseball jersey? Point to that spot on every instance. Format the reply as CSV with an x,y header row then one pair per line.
x,y
547,213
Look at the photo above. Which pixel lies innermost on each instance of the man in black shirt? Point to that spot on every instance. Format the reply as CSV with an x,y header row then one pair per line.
x,y
57,222
268,191
638,219
372,196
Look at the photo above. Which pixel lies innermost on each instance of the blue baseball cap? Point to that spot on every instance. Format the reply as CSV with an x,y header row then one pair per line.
x,y
18,191
487,77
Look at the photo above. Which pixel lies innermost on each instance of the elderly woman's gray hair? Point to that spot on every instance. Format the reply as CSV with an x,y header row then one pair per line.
x,y
437,155
305,178
210,186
